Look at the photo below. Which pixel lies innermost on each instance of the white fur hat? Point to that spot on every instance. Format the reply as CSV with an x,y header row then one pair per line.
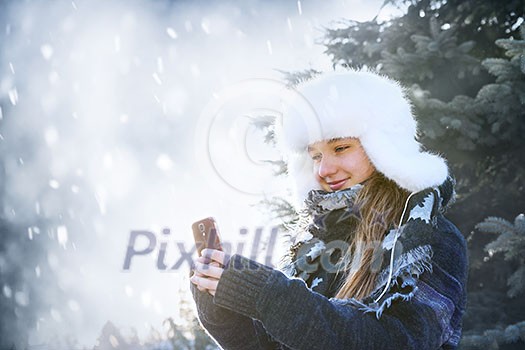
x,y
357,104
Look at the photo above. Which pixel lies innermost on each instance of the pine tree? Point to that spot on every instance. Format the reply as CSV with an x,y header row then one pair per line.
x,y
438,49
495,338
511,242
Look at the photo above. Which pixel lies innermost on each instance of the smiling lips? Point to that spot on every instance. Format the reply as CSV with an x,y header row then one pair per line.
x,y
336,185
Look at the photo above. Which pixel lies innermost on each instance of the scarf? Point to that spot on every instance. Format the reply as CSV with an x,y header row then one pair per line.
x,y
326,224
326,227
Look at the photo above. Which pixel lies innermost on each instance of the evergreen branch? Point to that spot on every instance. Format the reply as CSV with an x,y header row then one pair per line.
x,y
516,282
280,167
296,78
514,47
511,241
504,243
262,121
494,224
500,68
280,208
494,338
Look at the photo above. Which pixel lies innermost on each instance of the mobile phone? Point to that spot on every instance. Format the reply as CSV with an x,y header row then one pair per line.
x,y
206,234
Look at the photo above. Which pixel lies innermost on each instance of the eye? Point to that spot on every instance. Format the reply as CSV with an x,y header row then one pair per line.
x,y
339,149
316,157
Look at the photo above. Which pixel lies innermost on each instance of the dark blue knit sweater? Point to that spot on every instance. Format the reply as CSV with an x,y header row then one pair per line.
x,y
257,307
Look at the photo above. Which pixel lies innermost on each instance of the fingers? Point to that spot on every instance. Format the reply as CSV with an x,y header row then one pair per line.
x,y
204,283
192,279
208,270
197,273
215,264
205,260
215,255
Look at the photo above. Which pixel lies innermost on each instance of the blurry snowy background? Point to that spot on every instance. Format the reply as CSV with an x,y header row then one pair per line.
x,y
100,108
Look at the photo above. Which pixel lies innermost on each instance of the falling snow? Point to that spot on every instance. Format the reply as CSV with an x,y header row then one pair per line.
x,y
129,291
75,89
269,46
73,305
22,298
62,236
100,197
7,291
54,184
164,162
13,96
205,25
113,341
171,32
156,78
47,51
51,136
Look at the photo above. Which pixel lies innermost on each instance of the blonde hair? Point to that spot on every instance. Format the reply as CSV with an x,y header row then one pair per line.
x,y
380,204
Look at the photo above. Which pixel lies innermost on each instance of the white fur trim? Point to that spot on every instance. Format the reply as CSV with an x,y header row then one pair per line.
x,y
358,104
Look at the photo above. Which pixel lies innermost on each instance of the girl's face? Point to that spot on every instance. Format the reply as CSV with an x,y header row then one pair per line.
x,y
340,163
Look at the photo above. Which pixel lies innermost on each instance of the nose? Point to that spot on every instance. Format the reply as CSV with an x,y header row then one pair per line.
x,y
327,167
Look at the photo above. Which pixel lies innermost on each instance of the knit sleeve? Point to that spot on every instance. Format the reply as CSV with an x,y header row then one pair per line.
x,y
224,325
300,318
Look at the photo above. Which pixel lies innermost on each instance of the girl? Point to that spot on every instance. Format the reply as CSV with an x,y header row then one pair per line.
x,y
374,265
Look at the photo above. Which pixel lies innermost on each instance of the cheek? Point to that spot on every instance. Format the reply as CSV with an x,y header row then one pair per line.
x,y
369,169
360,164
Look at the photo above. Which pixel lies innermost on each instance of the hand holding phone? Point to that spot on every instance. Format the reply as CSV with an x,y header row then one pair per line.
x,y
206,234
